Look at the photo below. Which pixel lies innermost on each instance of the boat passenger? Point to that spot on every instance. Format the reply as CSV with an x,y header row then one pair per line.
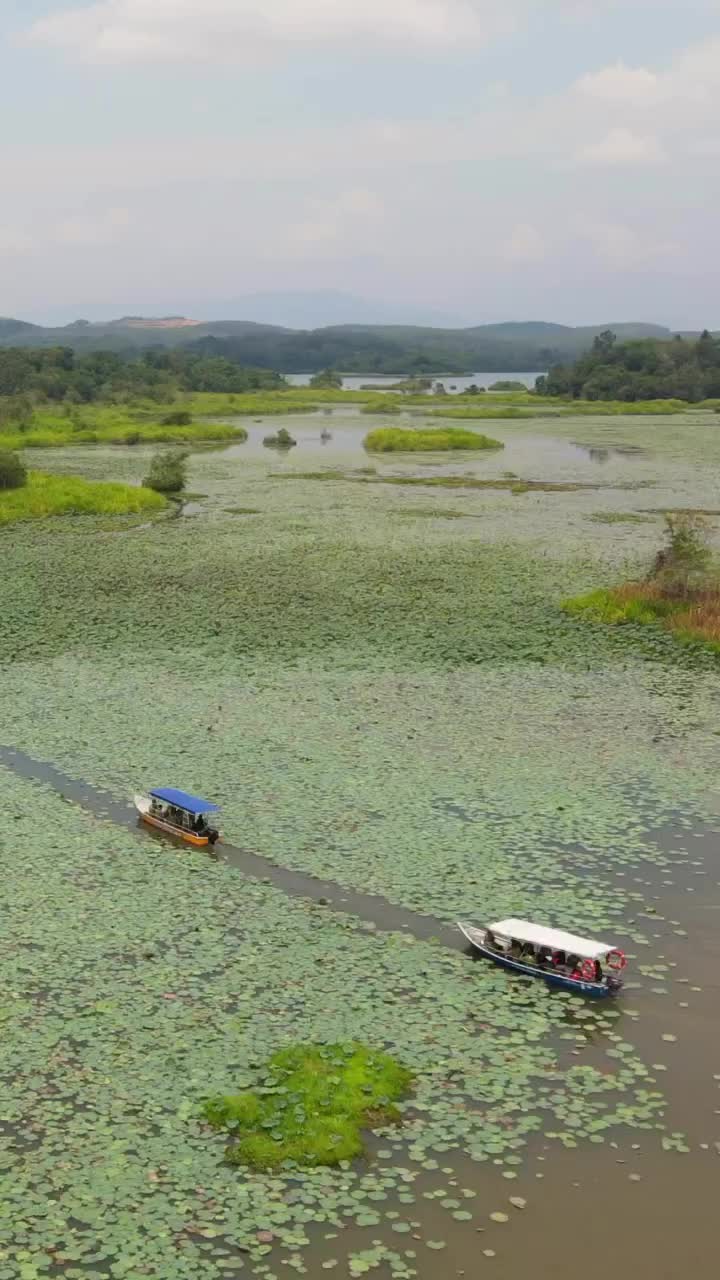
x,y
598,971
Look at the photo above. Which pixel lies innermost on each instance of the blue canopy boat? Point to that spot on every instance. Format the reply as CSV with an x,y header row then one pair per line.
x,y
560,959
180,814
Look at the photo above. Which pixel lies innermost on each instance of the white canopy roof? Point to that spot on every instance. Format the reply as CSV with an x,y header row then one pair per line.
x,y
555,939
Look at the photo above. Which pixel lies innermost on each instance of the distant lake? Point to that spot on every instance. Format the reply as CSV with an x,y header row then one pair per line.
x,y
454,384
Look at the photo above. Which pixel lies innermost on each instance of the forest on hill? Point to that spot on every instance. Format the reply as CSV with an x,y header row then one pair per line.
x,y
640,370
396,349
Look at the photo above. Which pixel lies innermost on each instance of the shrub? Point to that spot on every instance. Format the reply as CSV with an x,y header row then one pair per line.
x,y
168,472
13,472
327,379
684,560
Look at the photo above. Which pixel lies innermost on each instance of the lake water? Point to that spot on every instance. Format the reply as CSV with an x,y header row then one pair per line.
x,y
453,383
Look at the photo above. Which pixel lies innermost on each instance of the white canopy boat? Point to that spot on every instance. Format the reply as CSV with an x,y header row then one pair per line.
x,y
562,959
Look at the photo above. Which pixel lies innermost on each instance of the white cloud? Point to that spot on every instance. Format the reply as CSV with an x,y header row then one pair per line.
x,y
327,224
621,147
89,230
524,245
620,246
13,241
633,85
239,30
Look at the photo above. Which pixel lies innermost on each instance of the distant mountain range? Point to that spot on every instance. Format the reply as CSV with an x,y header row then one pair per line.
x,y
363,348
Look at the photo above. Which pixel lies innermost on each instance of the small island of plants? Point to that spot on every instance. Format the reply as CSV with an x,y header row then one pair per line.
x,y
280,440
45,495
681,592
426,440
314,1103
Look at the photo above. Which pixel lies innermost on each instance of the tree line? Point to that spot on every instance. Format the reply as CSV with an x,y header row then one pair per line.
x,y
61,374
640,370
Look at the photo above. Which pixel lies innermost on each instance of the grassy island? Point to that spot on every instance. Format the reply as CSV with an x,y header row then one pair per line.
x,y
49,495
315,1102
681,593
426,440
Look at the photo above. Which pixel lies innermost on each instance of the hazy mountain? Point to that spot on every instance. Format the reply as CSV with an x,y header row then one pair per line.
x,y
292,309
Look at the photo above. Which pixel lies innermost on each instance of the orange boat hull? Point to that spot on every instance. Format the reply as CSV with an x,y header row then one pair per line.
x,y
188,836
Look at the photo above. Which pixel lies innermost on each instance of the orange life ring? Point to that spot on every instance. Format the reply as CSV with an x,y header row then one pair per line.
x,y
587,970
617,960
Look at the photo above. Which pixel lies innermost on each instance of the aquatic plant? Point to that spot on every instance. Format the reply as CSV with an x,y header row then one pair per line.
x,y
316,1100
428,439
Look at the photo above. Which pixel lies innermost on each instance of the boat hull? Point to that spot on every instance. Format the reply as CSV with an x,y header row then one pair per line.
x,y
188,836
593,990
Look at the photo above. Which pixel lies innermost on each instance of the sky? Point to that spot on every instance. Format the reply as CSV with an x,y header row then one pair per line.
x,y
465,159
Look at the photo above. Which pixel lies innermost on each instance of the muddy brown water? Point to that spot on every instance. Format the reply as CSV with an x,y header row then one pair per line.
x,y
620,1210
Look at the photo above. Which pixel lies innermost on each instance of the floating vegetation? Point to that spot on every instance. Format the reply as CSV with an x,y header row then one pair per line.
x,y
47,495
428,439
315,1102
434,513
394,704
621,517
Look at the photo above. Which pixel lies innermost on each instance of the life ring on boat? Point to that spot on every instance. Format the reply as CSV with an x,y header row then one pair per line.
x,y
587,970
617,960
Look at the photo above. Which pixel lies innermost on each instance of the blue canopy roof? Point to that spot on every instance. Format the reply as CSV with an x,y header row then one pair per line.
x,y
193,804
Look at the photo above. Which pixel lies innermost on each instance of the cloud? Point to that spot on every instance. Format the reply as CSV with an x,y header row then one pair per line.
x,y
329,224
633,85
241,30
620,246
13,241
621,147
524,245
90,230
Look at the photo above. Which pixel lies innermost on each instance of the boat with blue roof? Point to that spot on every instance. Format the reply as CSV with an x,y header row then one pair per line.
x,y
561,959
180,814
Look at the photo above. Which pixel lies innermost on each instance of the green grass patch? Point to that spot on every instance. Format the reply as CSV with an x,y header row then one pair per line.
x,y
539,407
423,440
49,495
243,511
636,602
694,620
313,1105
53,428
